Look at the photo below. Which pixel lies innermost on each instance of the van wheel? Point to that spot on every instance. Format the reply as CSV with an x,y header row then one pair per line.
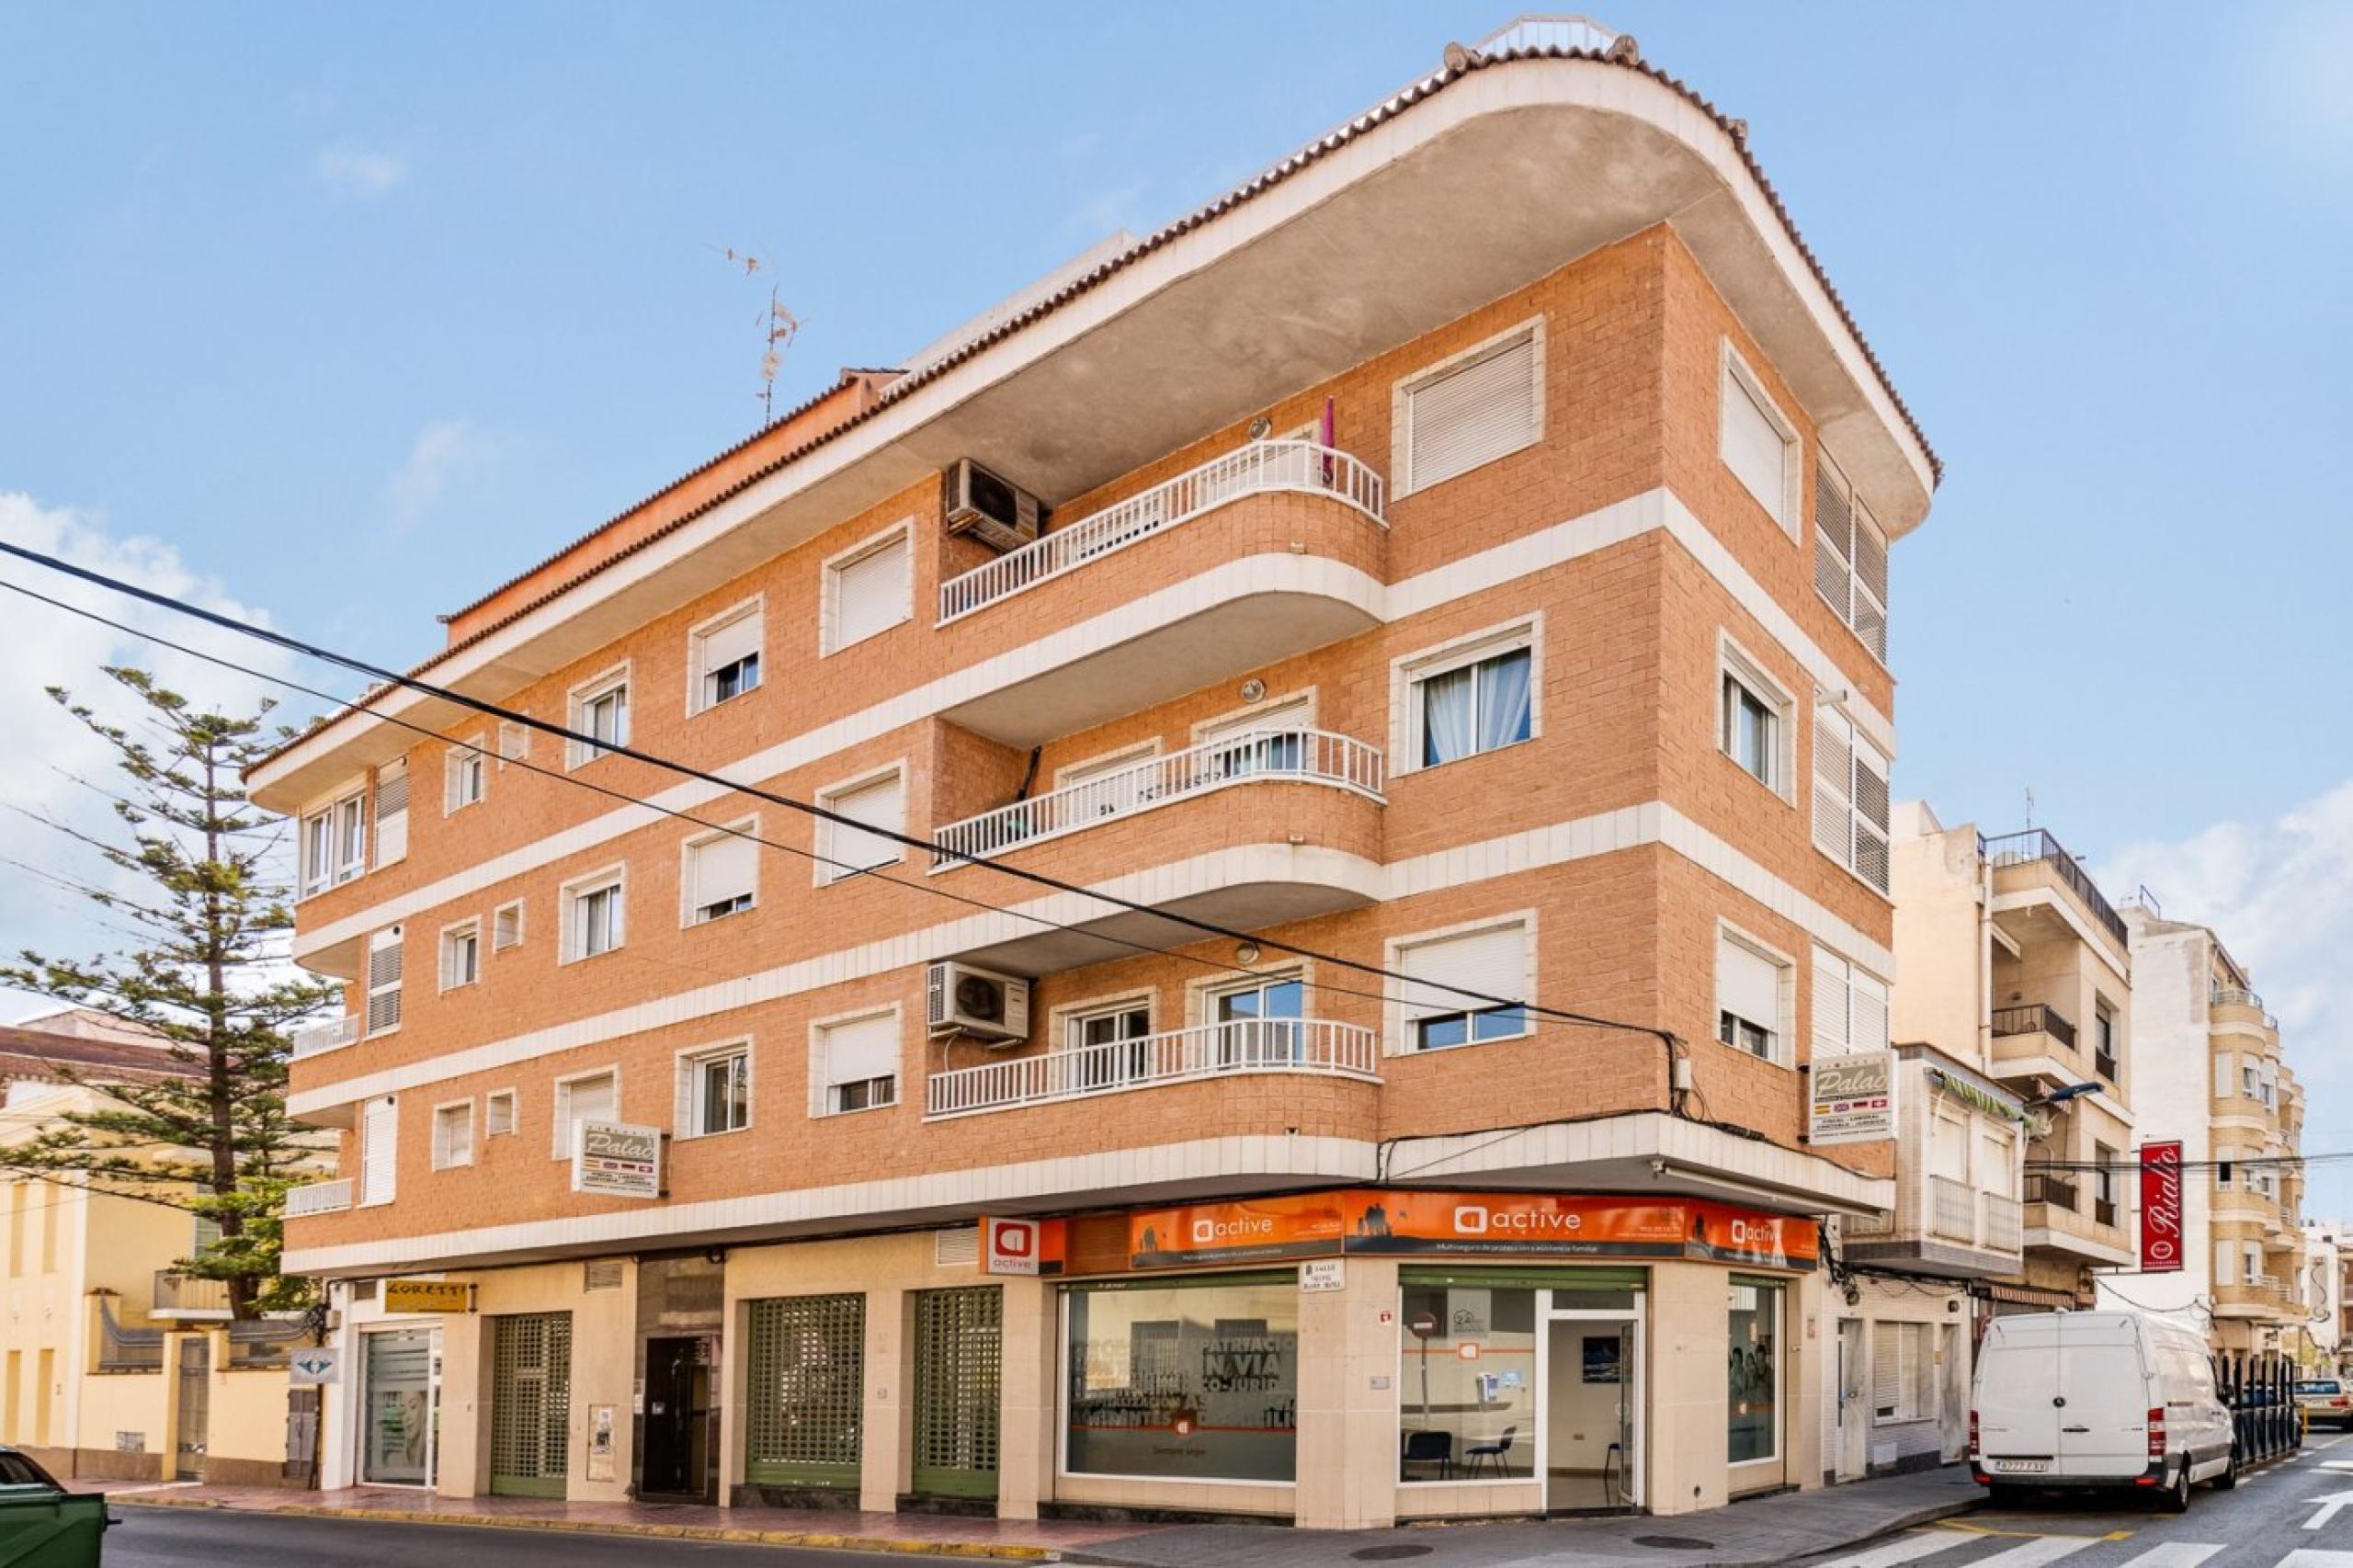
x,y
2176,1496
2229,1479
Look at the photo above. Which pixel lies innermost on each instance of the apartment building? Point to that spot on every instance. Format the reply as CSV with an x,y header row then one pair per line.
x,y
1431,596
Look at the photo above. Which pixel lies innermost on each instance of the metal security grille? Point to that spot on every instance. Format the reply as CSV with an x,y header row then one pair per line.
x,y
958,1360
804,1385
530,1403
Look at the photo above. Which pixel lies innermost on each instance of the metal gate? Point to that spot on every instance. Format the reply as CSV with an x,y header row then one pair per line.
x,y
958,1342
804,1390
530,1403
195,1423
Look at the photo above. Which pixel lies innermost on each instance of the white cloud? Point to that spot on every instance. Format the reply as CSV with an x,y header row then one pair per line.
x,y
445,453
358,171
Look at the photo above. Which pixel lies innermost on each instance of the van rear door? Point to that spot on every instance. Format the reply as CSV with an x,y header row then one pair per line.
x,y
2104,1425
2018,1374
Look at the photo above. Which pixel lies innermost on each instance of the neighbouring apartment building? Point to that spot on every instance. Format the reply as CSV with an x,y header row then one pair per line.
x,y
2212,1077
2322,1292
1460,553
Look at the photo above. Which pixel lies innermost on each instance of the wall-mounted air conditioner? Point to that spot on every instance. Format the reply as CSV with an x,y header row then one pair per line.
x,y
991,508
994,1007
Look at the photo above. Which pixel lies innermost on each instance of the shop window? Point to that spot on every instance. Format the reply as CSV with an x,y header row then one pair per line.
x,y
1183,1382
1753,1408
1455,1410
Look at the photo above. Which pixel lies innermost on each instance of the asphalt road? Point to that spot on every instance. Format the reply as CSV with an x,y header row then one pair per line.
x,y
208,1538
2280,1518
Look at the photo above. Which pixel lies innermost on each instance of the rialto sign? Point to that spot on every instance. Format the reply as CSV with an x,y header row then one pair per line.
x,y
2161,1251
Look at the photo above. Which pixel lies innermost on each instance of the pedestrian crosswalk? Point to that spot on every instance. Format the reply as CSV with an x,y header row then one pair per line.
x,y
1986,1548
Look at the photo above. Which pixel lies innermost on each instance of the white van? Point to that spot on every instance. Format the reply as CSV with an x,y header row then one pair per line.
x,y
2098,1399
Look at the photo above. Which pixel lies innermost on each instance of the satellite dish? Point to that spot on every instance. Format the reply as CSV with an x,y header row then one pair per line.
x,y
1261,428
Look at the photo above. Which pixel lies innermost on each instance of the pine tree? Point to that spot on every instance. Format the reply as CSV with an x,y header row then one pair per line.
x,y
201,894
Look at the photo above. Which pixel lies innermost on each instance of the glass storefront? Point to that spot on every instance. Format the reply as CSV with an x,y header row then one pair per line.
x,y
1753,1407
397,1442
1466,1388
1183,1381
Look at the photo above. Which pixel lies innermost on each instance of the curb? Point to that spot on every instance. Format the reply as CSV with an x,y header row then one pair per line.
x,y
709,1534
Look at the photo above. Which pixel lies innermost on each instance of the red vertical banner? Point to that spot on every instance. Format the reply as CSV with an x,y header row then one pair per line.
x,y
2161,1207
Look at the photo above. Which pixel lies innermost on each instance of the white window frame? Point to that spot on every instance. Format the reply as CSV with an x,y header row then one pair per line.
x,y
1784,1054
1304,698
688,1068
1924,1381
514,743
465,762
1858,743
1407,673
829,641
690,899
1397,1031
360,1199
1733,663
328,813
1738,379
443,1160
513,1099
697,635
821,1085
568,900
578,702
1063,1019
1085,767
1400,402
1835,477
823,871
397,988
560,1104
520,934
470,926
1822,958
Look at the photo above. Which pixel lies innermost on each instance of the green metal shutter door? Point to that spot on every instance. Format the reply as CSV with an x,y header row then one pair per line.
x,y
804,1390
959,1354
530,1403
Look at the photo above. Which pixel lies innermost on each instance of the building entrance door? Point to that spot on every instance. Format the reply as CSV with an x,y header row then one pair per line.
x,y
959,1363
401,1409
681,1420
1592,1441
194,1391
531,1404
1853,1409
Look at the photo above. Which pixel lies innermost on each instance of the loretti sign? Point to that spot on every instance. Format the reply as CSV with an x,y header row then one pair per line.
x,y
2161,1207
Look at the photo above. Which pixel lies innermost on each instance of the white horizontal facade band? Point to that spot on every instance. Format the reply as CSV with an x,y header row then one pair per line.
x,y
1471,575
1605,833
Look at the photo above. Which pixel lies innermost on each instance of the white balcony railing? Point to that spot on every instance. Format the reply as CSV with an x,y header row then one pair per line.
x,y
1542,32
330,1034
1953,1209
319,1198
1256,756
1312,1046
1255,469
2001,1233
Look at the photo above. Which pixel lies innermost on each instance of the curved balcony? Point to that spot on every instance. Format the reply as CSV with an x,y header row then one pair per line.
x,y
1309,1047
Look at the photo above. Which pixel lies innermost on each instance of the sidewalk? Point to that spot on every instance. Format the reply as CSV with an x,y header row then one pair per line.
x,y
1768,1530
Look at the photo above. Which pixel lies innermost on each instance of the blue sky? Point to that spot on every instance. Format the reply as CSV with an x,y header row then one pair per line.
x,y
344,316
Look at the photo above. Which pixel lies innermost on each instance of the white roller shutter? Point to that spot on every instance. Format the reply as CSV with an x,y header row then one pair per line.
x,y
1833,768
720,870
379,1150
723,645
1752,445
880,804
2226,1083
1832,1026
870,593
385,960
861,1049
1749,985
583,1099
1948,1147
1471,414
2226,1263
1491,962
1869,1004
391,813
1896,1357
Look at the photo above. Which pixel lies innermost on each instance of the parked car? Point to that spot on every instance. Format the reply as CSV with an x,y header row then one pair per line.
x,y
41,1523
2324,1399
2082,1400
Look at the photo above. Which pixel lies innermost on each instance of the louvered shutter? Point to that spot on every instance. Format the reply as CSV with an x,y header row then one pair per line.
x,y
1472,413
863,1049
1753,447
385,965
1833,1029
870,593
1868,1008
379,1150
1747,984
1948,1147
1833,768
391,813
880,804
723,869
1892,1355
1870,797
1833,544
1493,963
1870,618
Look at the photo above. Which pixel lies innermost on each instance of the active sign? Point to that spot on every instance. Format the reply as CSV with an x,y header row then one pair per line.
x,y
616,1160
1851,1099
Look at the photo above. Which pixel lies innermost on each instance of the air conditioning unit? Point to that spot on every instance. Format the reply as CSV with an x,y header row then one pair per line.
x,y
992,509
994,1007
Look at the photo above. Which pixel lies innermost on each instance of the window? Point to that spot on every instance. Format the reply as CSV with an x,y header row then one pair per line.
x,y
1850,797
1493,962
857,1065
1107,1045
514,743
506,927
1753,1408
1751,723
1849,1007
1758,442
1471,409
2104,1040
498,1114
1137,1361
385,965
2226,1076
1259,1019
2250,1077
601,710
868,589
594,911
1478,697
454,1135
391,813
715,1091
1752,983
1453,1395
379,1150
1849,559
724,657
720,876
465,777
335,843
1904,1380
589,1097
844,851
460,954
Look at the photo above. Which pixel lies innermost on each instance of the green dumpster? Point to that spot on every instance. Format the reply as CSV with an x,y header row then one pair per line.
x,y
41,1523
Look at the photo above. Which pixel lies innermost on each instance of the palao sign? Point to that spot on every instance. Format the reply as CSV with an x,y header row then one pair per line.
x,y
1851,1099
617,1160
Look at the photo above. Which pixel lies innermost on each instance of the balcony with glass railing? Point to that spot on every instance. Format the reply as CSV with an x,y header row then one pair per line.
x,y
1306,1047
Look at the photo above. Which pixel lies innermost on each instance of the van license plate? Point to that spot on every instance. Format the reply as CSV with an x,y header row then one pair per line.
x,y
2021,1466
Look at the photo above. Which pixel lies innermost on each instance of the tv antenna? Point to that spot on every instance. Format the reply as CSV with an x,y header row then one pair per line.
x,y
778,327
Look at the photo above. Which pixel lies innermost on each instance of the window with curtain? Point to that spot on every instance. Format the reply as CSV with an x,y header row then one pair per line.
x,y
1478,702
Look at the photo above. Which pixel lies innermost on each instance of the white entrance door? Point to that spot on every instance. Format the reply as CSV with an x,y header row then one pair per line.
x,y
1589,1439
1854,1405
400,1413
